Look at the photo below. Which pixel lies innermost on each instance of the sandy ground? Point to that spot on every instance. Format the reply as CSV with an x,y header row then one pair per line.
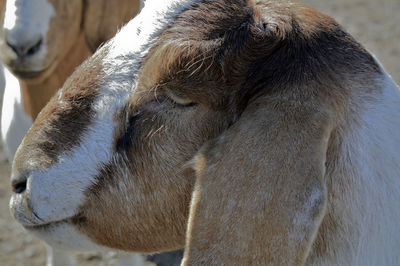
x,y
373,22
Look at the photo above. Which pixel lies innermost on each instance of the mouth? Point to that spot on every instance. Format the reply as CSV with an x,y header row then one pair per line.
x,y
45,227
24,73
26,216
62,234
28,74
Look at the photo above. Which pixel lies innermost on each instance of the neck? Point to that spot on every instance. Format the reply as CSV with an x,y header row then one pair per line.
x,y
36,94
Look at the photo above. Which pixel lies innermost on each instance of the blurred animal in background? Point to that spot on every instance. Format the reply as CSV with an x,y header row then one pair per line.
x,y
250,132
41,43
2,80
2,83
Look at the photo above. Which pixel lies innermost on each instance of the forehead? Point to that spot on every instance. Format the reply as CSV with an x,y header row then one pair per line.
x,y
179,37
126,51
154,18
32,13
193,38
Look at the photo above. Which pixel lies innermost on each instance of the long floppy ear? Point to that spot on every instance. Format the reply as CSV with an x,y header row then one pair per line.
x,y
102,19
260,194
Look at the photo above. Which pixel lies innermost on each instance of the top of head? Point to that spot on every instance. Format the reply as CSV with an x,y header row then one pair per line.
x,y
185,92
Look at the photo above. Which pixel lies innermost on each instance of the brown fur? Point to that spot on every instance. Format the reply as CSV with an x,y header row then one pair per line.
x,y
2,9
103,18
36,95
170,181
267,198
271,84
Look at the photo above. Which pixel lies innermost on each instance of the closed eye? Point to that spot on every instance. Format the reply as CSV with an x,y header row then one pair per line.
x,y
191,104
180,102
165,103
175,103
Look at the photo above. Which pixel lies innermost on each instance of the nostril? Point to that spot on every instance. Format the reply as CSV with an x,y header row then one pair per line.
x,y
13,47
34,48
25,48
19,186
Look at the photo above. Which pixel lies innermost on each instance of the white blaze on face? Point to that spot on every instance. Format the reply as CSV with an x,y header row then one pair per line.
x,y
29,14
27,20
10,19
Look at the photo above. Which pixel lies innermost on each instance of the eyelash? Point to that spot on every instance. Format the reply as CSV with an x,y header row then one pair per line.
x,y
176,104
184,105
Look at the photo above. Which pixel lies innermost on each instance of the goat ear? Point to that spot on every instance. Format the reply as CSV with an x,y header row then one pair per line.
x,y
102,19
260,194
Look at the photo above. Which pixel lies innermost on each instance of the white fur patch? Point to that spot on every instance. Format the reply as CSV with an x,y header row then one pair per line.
x,y
378,159
57,258
14,121
66,237
369,166
34,15
2,79
148,24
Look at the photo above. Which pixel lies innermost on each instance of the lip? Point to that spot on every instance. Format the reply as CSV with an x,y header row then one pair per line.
x,y
27,74
39,227
26,216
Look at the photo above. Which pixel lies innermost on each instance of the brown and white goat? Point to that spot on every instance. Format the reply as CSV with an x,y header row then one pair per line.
x,y
250,132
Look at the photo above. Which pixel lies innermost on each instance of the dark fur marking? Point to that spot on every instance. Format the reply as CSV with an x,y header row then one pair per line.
x,y
61,124
123,143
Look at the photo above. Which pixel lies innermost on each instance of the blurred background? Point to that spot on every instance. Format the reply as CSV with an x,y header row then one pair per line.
x,y
374,23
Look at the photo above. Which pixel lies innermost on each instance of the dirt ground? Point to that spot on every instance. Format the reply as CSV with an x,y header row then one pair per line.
x,y
373,22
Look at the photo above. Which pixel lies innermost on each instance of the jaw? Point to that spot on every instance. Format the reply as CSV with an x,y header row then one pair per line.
x,y
33,75
63,235
61,232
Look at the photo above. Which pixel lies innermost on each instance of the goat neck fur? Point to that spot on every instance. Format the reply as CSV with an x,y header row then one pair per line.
x,y
250,132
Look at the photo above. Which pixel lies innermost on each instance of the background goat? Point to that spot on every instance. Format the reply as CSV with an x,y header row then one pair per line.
x,y
42,42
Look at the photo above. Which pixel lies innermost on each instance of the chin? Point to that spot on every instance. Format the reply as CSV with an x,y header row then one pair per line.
x,y
33,73
27,74
63,235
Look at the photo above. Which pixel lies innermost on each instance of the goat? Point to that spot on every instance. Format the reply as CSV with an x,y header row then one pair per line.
x,y
42,42
249,132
